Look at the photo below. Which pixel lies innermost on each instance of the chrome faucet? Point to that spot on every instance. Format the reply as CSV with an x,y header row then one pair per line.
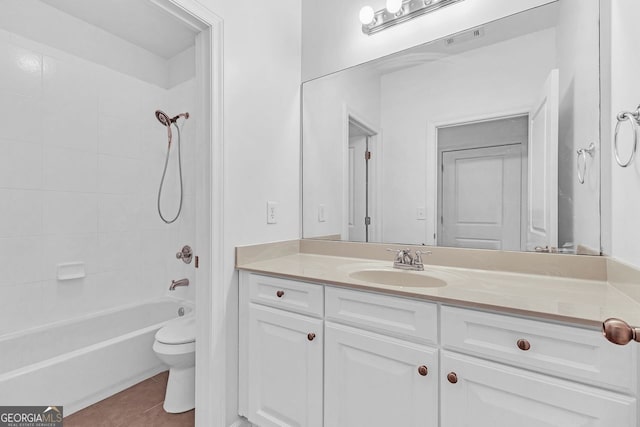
x,y
176,283
405,261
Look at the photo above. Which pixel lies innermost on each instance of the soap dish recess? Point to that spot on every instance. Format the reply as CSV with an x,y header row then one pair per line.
x,y
71,270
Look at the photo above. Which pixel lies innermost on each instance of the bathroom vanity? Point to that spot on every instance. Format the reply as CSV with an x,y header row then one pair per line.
x,y
486,348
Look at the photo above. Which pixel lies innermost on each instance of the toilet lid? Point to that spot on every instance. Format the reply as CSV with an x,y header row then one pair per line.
x,y
178,331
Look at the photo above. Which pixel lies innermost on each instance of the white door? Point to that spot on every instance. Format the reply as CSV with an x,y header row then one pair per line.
x,y
357,188
376,381
542,215
285,368
487,394
481,198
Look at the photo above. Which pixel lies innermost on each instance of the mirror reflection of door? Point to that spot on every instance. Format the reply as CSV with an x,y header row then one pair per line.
x,y
360,153
481,201
542,218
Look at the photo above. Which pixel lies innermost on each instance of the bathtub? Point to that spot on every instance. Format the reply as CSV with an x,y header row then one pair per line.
x,y
78,362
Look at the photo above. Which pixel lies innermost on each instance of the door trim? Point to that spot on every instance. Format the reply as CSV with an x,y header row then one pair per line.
x,y
350,114
211,371
432,162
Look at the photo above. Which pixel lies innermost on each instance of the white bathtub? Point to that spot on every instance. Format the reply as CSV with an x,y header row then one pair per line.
x,y
78,362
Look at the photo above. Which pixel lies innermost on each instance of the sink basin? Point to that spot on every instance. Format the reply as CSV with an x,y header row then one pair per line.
x,y
398,278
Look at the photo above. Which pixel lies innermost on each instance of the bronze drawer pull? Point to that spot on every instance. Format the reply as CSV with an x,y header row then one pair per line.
x,y
280,294
422,370
311,336
523,345
452,377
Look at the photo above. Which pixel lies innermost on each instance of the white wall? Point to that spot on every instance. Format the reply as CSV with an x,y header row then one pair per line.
x,y
579,61
81,158
622,74
332,38
262,55
327,102
503,78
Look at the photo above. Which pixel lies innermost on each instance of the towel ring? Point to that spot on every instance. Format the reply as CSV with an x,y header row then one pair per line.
x,y
633,118
582,154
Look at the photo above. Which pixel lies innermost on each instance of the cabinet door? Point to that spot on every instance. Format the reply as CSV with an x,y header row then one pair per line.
x,y
285,368
373,380
486,394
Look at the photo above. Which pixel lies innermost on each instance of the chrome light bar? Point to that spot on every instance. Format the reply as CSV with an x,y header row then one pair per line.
x,y
410,9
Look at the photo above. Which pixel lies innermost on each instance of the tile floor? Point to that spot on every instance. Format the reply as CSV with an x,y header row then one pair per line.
x,y
137,406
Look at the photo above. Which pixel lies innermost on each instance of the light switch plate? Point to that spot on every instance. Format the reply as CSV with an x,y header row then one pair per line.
x,y
322,215
421,214
272,212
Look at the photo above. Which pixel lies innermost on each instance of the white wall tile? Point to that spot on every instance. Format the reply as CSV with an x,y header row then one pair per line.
x,y
69,170
21,117
21,306
118,213
118,175
64,77
118,251
71,122
64,248
20,260
21,213
20,165
70,213
21,70
120,136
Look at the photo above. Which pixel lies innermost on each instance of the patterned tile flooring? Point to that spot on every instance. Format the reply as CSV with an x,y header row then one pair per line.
x,y
137,406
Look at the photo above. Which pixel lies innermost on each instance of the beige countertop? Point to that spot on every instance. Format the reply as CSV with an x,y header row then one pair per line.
x,y
581,290
568,299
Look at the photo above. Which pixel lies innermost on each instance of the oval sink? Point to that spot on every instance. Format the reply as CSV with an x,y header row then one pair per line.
x,y
398,278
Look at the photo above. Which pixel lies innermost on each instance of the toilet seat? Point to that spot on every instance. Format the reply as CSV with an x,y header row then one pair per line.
x,y
178,331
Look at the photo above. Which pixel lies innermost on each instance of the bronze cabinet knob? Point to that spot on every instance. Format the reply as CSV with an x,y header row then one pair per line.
x,y
280,294
311,336
452,377
422,370
620,332
523,345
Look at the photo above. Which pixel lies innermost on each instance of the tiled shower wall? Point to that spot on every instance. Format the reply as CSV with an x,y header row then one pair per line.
x,y
81,155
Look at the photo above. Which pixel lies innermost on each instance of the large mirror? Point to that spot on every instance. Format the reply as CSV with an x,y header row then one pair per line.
x,y
479,140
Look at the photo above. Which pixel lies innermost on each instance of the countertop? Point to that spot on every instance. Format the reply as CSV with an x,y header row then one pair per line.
x,y
566,299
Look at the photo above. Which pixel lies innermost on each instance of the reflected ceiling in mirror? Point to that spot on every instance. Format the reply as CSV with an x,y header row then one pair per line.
x,y
467,141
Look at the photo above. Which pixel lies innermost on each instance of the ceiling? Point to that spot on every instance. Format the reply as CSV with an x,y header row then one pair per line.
x,y
137,21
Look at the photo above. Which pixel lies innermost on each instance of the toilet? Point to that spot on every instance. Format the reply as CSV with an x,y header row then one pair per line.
x,y
175,345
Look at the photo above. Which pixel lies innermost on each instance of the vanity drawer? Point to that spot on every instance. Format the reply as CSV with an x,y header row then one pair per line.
x,y
564,351
406,318
287,294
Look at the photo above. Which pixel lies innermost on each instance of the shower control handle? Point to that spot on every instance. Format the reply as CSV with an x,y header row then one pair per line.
x,y
186,254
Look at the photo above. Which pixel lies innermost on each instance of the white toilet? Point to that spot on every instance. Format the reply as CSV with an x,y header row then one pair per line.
x,y
175,345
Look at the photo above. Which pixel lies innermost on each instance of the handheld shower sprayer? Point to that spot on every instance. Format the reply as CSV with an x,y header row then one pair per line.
x,y
165,120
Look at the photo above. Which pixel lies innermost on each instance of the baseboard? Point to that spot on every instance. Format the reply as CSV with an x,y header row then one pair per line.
x,y
241,422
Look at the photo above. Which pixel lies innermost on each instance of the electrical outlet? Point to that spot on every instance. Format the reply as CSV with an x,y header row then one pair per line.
x,y
421,214
272,212
322,217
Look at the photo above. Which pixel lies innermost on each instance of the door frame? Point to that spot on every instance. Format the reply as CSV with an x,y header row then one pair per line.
x,y
350,114
211,402
432,163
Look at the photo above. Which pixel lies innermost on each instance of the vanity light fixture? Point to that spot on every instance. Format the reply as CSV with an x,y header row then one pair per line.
x,y
396,12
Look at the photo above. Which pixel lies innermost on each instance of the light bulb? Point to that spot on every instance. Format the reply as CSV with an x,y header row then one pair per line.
x,y
367,15
394,6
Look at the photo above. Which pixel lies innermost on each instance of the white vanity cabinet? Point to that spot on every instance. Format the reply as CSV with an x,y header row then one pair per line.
x,y
382,360
480,393
283,357
378,370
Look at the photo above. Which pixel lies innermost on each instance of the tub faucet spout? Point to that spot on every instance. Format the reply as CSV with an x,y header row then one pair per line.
x,y
176,283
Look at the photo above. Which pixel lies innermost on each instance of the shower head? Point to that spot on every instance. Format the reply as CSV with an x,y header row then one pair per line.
x,y
163,118
166,121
